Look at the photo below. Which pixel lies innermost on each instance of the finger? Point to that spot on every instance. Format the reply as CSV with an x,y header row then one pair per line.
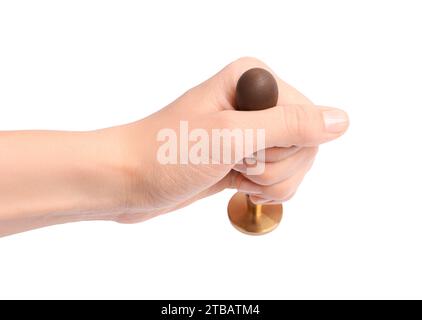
x,y
268,202
276,154
285,190
258,200
288,125
279,192
223,84
275,172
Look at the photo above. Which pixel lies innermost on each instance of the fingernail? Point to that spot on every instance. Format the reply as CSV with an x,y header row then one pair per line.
x,y
249,187
335,121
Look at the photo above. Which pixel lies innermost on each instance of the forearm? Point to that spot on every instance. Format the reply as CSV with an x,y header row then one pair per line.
x,y
50,177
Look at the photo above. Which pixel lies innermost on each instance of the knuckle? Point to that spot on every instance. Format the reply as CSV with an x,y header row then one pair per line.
x,y
297,124
283,196
226,119
289,196
279,192
313,151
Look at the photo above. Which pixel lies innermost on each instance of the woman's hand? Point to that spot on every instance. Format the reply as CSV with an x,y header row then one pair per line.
x,y
134,172
293,131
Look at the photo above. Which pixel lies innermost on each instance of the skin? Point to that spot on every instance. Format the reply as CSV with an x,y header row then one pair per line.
x,y
52,177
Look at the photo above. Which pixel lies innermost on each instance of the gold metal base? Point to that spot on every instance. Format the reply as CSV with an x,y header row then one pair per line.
x,y
253,219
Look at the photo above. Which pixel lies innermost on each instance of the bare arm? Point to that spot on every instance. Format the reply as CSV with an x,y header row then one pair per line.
x,y
55,177
50,177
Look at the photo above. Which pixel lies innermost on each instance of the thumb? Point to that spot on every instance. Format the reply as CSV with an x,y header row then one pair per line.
x,y
288,125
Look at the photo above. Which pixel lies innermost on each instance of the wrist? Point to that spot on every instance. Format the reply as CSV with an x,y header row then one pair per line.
x,y
125,181
104,179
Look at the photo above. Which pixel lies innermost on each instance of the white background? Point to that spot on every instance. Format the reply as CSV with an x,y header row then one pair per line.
x,y
354,229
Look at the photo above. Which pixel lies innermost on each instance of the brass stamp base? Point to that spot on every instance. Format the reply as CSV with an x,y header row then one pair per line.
x,y
253,219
